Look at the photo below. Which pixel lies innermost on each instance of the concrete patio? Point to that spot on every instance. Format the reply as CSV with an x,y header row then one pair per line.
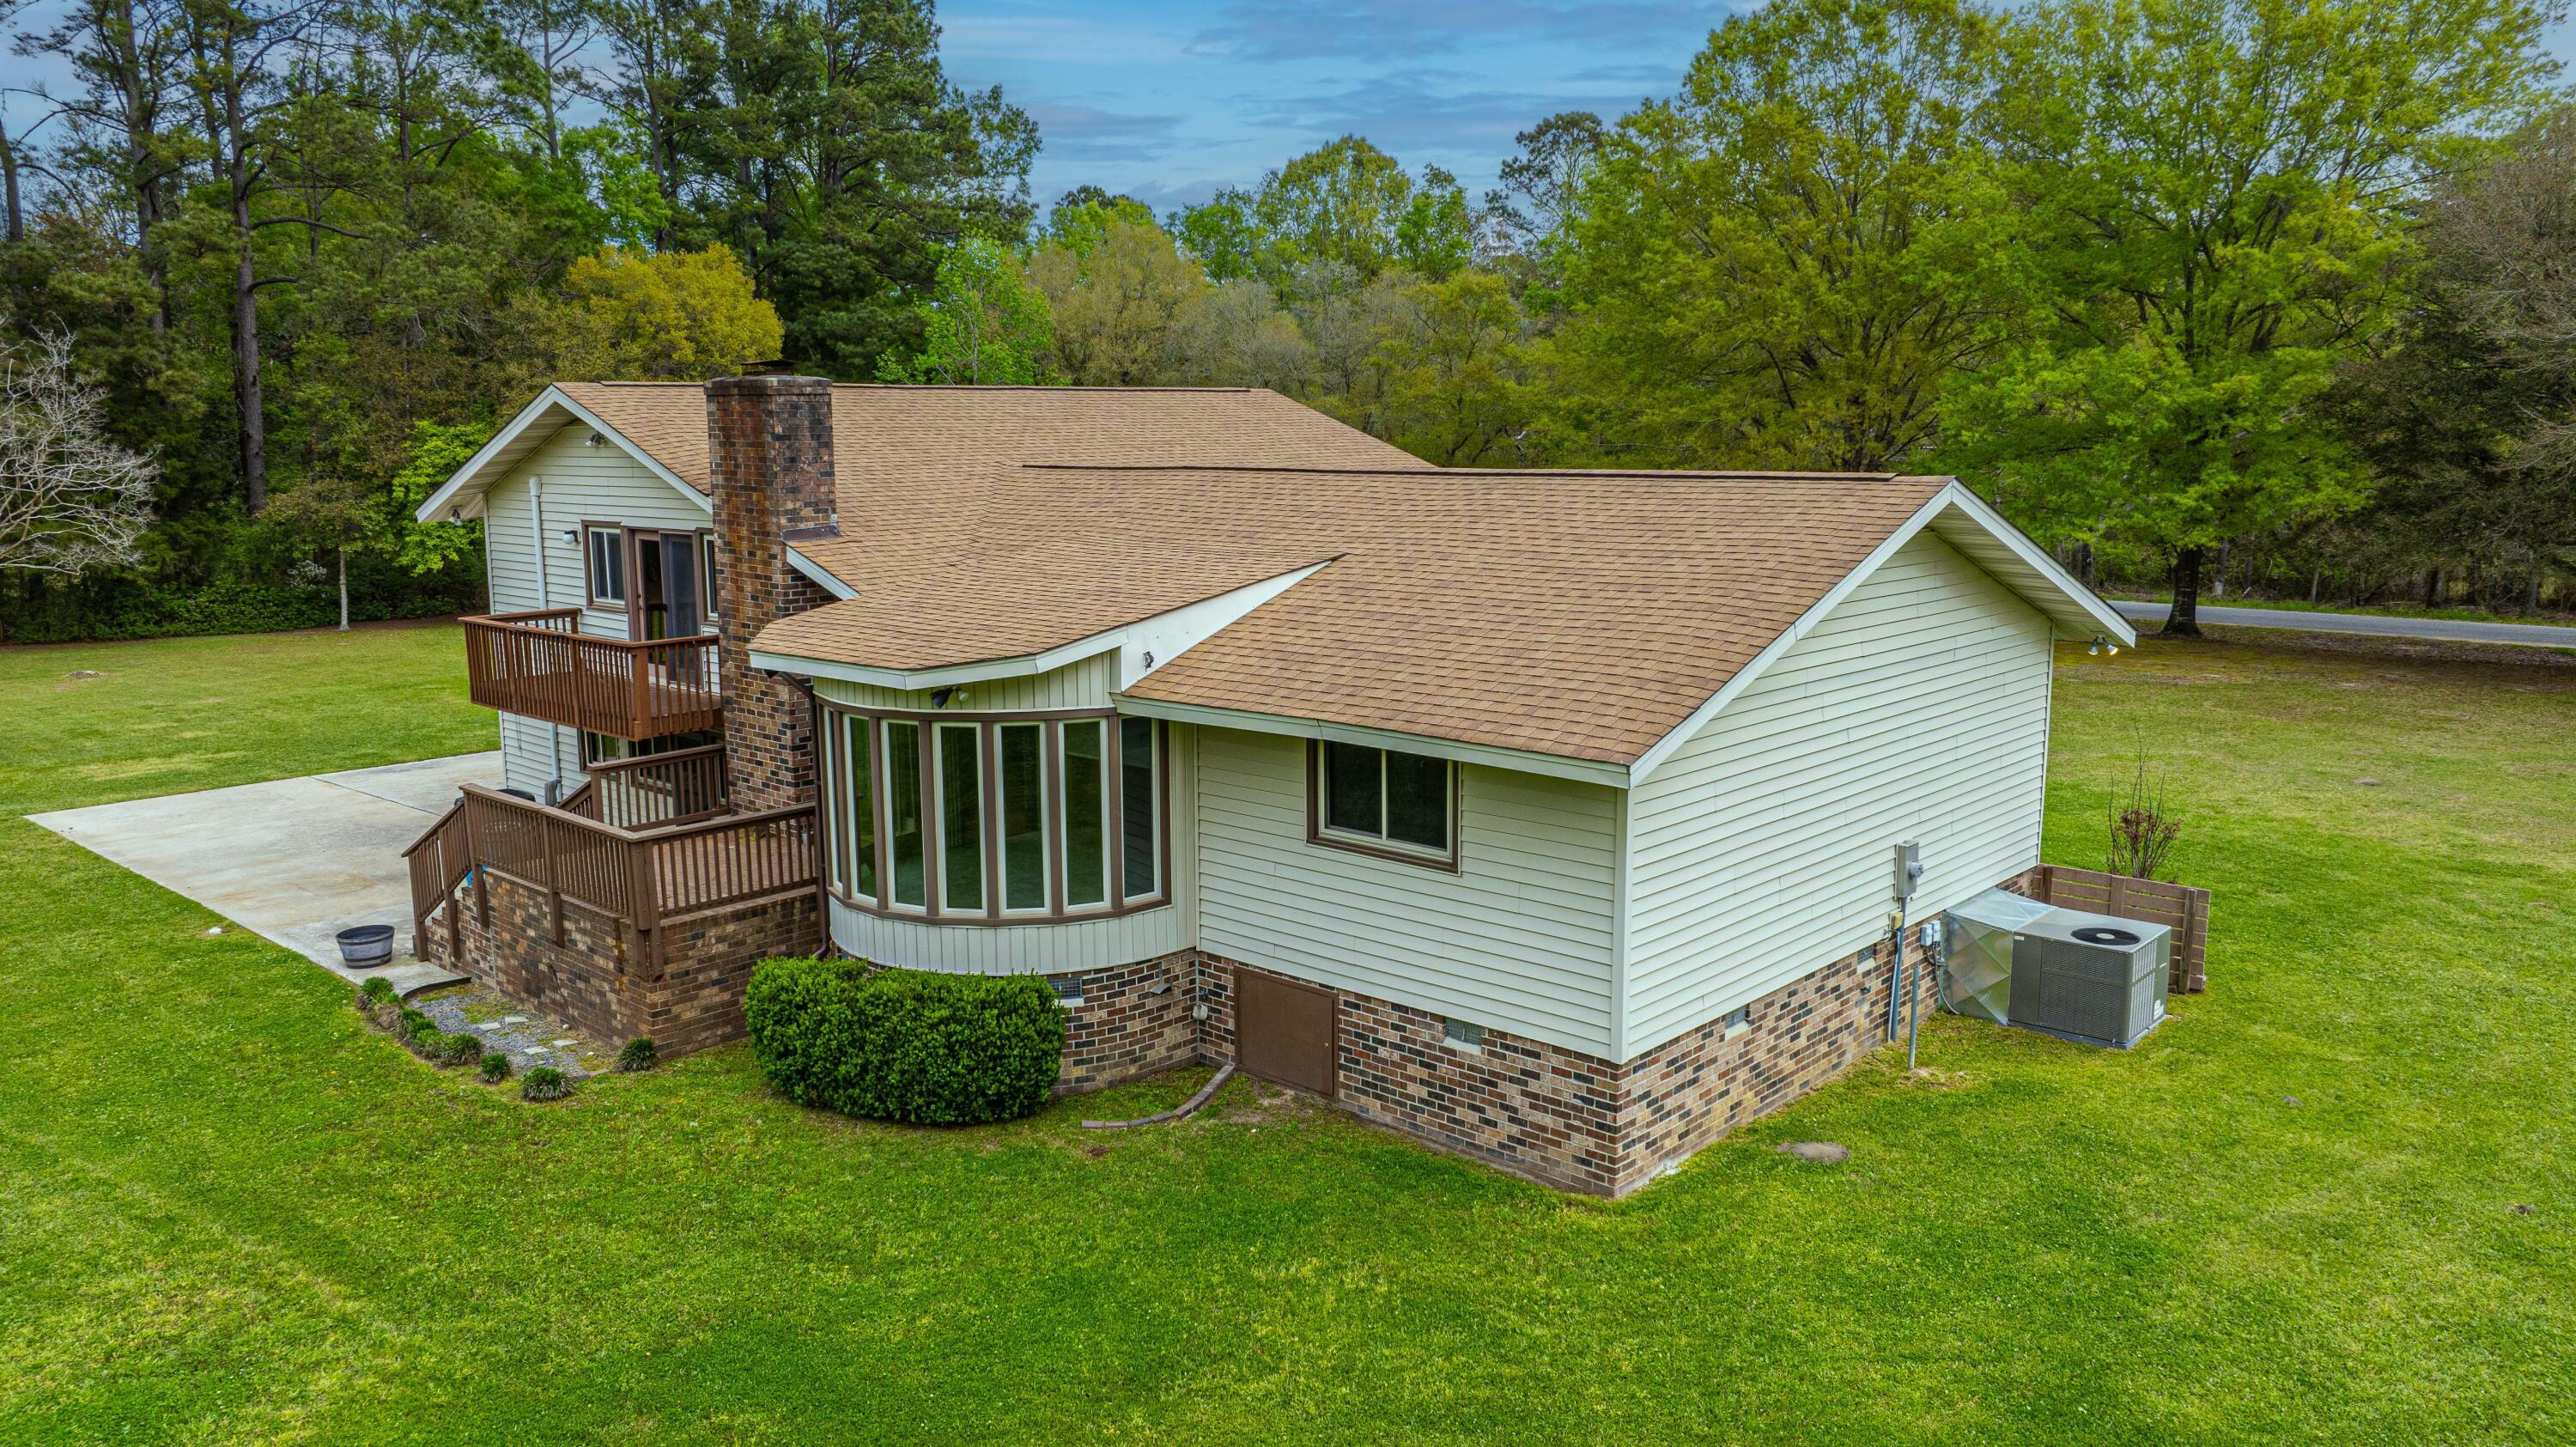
x,y
294,860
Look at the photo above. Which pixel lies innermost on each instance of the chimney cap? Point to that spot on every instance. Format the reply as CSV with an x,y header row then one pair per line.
x,y
773,367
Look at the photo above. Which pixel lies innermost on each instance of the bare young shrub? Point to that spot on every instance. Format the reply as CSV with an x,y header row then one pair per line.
x,y
2143,830
70,499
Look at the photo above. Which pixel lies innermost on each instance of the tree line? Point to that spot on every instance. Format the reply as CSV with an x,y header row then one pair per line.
x,y
2232,294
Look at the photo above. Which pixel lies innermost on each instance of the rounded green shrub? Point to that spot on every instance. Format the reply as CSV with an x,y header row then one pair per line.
x,y
496,1066
461,1048
544,1083
414,1023
908,1045
638,1054
373,990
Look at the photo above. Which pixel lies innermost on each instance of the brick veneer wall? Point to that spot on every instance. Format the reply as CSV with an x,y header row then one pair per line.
x,y
601,982
769,450
1133,1020
1574,1120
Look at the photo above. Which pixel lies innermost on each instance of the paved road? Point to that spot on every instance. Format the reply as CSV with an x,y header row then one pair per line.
x,y
295,860
2545,635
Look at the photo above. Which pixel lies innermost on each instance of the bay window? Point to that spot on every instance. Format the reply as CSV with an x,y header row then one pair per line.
x,y
998,818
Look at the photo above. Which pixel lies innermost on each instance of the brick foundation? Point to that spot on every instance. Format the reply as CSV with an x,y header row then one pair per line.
x,y
1573,1120
603,979
1544,1112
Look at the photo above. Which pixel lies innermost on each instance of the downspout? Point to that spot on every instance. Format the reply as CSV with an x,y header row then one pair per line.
x,y
537,541
822,835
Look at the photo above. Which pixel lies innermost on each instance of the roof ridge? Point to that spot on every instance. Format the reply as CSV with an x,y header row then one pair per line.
x,y
1479,471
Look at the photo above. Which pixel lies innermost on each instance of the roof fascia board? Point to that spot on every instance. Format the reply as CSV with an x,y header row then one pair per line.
x,y
1247,598
1586,771
822,576
546,400
919,678
2032,555
1681,733
1952,495
552,397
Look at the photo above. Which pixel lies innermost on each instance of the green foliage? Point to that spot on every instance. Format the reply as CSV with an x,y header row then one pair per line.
x,y
676,316
638,1054
1345,204
983,324
463,1047
1780,266
930,1049
1116,302
2217,194
416,1024
495,1067
437,450
1084,214
375,988
545,1083
105,610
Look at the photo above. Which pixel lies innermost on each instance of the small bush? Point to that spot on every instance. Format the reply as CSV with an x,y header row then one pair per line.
x,y
544,1083
414,1022
374,990
638,1054
906,1045
461,1048
496,1067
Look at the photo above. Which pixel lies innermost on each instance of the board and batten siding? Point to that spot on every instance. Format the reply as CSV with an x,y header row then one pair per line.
x,y
1520,938
1763,849
1009,949
603,484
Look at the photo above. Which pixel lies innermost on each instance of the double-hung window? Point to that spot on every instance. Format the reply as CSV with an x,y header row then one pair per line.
x,y
998,818
1382,801
607,565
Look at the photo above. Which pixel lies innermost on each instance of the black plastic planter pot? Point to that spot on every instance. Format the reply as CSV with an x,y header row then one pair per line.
x,y
368,944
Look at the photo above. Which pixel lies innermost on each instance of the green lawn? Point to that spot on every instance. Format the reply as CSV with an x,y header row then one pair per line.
x,y
2373,610
228,1212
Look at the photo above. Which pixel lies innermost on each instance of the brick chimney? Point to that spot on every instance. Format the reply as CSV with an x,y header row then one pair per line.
x,y
769,452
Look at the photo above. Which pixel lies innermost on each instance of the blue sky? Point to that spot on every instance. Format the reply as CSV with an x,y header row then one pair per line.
x,y
1168,102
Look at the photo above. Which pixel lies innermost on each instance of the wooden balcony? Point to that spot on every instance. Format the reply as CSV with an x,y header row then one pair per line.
x,y
536,665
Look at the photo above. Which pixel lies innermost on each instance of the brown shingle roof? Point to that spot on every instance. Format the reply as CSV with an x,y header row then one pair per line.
x,y
897,446
1580,614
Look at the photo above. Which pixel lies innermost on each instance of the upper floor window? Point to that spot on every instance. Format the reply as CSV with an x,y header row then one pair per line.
x,y
607,548
998,818
1384,802
707,575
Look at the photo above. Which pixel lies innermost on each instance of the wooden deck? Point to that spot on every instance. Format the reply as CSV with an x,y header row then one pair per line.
x,y
641,877
536,665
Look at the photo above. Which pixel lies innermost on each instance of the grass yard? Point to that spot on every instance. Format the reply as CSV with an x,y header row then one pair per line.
x,y
228,1212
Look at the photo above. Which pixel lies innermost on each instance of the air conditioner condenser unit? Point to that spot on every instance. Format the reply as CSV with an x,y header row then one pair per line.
x,y
2089,977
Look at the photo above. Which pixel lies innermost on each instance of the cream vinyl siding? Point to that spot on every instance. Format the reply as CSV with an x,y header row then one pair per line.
x,y
1051,949
1085,683
601,484
1519,939
1763,848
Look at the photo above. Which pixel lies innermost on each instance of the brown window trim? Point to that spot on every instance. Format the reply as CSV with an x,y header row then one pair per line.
x,y
625,562
707,574
1320,836
989,741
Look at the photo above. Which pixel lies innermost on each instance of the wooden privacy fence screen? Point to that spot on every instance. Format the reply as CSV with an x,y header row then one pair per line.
x,y
679,787
2150,901
641,878
534,664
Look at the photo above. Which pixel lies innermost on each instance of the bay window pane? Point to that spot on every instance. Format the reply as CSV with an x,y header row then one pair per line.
x,y
1138,811
903,813
1417,800
1023,818
1086,857
1353,798
861,812
961,818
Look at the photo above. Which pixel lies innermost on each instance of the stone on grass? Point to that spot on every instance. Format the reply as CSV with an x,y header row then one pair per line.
x,y
1823,1153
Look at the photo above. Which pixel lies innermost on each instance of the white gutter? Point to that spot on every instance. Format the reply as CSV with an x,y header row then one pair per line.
x,y
1557,766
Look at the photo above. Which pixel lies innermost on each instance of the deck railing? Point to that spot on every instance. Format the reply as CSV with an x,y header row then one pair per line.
x,y
679,787
537,665
641,878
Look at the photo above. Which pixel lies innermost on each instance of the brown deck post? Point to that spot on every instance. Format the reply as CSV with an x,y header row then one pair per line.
x,y
554,885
